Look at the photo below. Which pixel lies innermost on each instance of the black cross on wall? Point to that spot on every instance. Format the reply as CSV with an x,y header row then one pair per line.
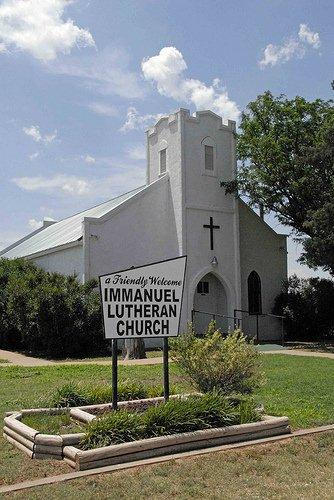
x,y
211,227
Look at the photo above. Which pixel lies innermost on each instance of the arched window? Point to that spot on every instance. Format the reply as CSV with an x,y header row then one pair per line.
x,y
208,156
254,293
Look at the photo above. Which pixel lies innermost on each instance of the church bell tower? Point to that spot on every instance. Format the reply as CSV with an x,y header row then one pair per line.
x,y
196,153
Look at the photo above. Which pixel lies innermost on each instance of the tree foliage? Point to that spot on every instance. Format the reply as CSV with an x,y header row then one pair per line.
x,y
286,148
307,305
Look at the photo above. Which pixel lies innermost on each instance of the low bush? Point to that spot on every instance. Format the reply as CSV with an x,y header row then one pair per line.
x,y
48,314
70,395
307,306
212,362
177,415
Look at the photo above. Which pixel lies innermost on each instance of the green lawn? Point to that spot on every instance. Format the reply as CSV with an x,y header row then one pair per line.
x,y
299,469
299,387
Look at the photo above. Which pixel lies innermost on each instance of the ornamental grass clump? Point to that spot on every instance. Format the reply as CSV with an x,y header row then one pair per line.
x,y
118,427
178,415
70,395
191,414
228,364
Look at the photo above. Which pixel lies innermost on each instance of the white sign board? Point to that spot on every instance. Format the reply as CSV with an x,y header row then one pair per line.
x,y
143,301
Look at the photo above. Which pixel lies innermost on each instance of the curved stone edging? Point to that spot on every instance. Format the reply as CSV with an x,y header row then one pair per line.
x,y
34,443
176,443
38,445
63,446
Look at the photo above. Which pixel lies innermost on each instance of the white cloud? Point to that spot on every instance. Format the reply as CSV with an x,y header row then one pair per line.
x,y
33,156
308,36
105,71
68,184
50,138
123,178
89,159
137,152
274,54
103,109
166,70
35,133
293,47
35,224
38,27
136,121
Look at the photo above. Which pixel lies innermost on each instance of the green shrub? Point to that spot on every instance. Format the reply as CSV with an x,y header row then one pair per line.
x,y
176,416
48,314
230,364
71,395
307,307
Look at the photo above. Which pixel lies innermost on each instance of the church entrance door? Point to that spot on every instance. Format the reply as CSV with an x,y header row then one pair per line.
x,y
209,299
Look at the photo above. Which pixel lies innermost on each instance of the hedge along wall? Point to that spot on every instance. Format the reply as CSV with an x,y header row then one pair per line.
x,y
47,313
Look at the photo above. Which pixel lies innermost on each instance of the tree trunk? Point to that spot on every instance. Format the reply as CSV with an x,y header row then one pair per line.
x,y
133,349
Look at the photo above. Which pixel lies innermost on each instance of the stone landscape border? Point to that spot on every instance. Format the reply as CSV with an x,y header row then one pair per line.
x,y
34,443
175,443
50,446
64,446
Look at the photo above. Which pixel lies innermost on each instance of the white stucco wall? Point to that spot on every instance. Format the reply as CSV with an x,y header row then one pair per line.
x,y
262,250
141,232
66,261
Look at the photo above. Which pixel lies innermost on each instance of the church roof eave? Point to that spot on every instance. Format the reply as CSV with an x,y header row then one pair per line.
x,y
285,235
64,232
59,248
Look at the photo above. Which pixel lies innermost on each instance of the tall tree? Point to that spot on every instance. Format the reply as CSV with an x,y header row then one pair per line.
x,y
286,149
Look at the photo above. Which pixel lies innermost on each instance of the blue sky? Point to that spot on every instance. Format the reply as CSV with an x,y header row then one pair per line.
x,y
81,80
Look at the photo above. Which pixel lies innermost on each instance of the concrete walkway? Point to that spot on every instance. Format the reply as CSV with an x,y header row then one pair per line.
x,y
303,352
17,359
14,358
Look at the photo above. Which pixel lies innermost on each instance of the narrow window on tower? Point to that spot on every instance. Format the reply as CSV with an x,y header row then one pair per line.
x,y
163,160
209,158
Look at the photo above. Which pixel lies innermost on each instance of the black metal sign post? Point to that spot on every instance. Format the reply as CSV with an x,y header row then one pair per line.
x,y
114,374
166,369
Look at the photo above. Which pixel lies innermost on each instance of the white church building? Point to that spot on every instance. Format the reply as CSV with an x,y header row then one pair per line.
x,y
236,262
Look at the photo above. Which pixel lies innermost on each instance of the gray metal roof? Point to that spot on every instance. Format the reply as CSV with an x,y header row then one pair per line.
x,y
65,231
